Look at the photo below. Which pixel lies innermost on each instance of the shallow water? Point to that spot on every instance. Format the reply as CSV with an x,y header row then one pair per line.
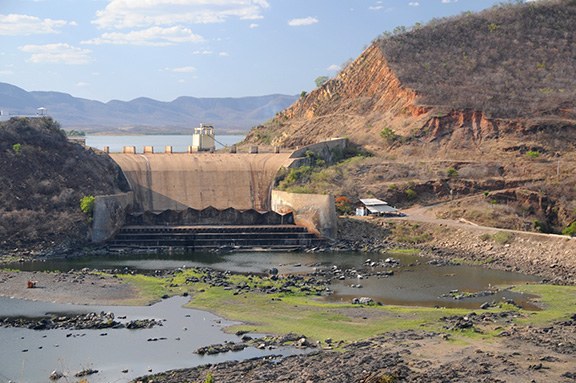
x,y
30,356
415,281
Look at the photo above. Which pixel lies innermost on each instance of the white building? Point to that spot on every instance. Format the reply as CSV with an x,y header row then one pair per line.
x,y
375,206
203,138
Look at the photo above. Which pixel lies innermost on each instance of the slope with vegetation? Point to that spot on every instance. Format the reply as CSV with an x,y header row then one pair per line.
x,y
47,184
478,105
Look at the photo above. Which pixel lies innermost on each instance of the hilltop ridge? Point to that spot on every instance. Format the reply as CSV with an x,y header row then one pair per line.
x,y
505,70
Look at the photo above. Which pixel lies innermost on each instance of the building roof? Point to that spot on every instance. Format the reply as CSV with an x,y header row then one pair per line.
x,y
372,202
381,209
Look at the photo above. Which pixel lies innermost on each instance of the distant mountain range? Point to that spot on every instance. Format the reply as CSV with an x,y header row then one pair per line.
x,y
144,115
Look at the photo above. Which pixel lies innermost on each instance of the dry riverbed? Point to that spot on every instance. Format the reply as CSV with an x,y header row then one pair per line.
x,y
80,287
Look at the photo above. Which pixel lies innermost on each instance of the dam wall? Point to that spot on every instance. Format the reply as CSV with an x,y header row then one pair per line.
x,y
178,181
317,212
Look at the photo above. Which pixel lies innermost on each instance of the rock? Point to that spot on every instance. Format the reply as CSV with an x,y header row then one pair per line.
x,y
362,301
55,375
85,372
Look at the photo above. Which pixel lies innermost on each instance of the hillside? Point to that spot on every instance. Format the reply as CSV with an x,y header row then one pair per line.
x,y
144,115
479,105
43,177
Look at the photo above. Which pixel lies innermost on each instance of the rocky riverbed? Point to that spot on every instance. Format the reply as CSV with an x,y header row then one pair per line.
x,y
519,354
549,256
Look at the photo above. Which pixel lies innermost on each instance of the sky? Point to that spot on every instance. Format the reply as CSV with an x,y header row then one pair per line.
x,y
163,49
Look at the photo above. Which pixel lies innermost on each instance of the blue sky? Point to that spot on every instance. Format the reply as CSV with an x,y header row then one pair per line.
x,y
163,49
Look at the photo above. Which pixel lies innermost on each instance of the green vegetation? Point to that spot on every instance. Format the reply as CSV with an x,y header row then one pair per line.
x,y
452,172
209,378
532,154
501,237
389,136
16,148
410,233
87,205
321,80
344,205
410,194
557,303
320,175
570,230
302,311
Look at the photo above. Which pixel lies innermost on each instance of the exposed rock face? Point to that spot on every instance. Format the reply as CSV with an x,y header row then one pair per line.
x,y
361,95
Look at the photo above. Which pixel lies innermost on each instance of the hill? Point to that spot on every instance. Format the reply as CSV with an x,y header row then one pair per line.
x,y
478,105
144,115
43,177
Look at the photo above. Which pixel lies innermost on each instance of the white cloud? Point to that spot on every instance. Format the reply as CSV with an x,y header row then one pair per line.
x,y
303,21
253,26
377,6
449,1
24,25
154,36
59,53
182,69
120,14
82,84
223,54
413,3
6,72
334,68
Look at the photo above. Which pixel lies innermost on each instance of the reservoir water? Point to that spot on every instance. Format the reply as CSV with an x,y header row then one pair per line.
x,y
179,143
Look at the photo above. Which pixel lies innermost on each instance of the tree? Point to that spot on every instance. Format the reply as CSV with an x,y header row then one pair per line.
x,y
389,136
321,80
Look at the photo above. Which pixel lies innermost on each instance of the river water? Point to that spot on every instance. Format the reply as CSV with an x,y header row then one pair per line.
x,y
30,356
119,355
179,143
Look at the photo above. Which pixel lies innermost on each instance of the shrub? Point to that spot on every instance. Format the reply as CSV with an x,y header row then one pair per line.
x,y
532,154
87,205
389,136
503,237
344,205
17,148
570,230
410,194
452,172
209,378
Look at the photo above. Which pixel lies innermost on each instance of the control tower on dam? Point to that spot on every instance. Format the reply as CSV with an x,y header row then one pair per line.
x,y
177,181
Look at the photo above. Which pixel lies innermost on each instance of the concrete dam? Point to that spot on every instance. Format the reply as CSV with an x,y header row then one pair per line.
x,y
203,200
199,180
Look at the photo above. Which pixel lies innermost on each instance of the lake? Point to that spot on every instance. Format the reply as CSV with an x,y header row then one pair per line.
x,y
179,143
